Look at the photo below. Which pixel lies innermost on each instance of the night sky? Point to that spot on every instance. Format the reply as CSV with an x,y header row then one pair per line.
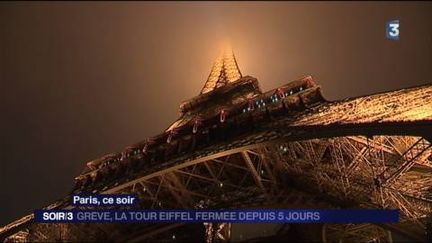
x,y
79,80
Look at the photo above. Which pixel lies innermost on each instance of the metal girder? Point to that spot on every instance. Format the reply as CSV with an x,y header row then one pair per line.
x,y
408,158
356,161
252,170
220,232
329,174
267,164
179,166
216,181
339,149
173,182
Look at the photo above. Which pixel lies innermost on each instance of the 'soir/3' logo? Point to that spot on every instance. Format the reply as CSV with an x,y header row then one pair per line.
x,y
392,30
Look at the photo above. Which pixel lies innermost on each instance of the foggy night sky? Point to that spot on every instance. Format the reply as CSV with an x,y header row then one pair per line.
x,y
79,80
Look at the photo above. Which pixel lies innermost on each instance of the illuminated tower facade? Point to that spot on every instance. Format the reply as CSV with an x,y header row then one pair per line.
x,y
237,146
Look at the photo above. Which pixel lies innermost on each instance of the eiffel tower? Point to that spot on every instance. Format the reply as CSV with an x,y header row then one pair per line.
x,y
237,146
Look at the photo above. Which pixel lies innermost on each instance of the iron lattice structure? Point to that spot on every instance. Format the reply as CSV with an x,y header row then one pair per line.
x,y
235,146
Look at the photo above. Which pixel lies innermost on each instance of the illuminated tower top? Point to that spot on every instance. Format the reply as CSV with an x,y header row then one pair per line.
x,y
225,70
224,88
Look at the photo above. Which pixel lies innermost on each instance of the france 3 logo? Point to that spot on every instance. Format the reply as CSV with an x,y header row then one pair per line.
x,y
392,30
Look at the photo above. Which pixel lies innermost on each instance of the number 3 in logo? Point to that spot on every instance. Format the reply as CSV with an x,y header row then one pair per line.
x,y
392,30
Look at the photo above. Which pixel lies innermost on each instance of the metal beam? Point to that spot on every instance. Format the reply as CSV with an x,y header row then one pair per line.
x,y
409,158
252,170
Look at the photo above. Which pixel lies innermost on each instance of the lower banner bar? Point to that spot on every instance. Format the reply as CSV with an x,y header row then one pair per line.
x,y
219,216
